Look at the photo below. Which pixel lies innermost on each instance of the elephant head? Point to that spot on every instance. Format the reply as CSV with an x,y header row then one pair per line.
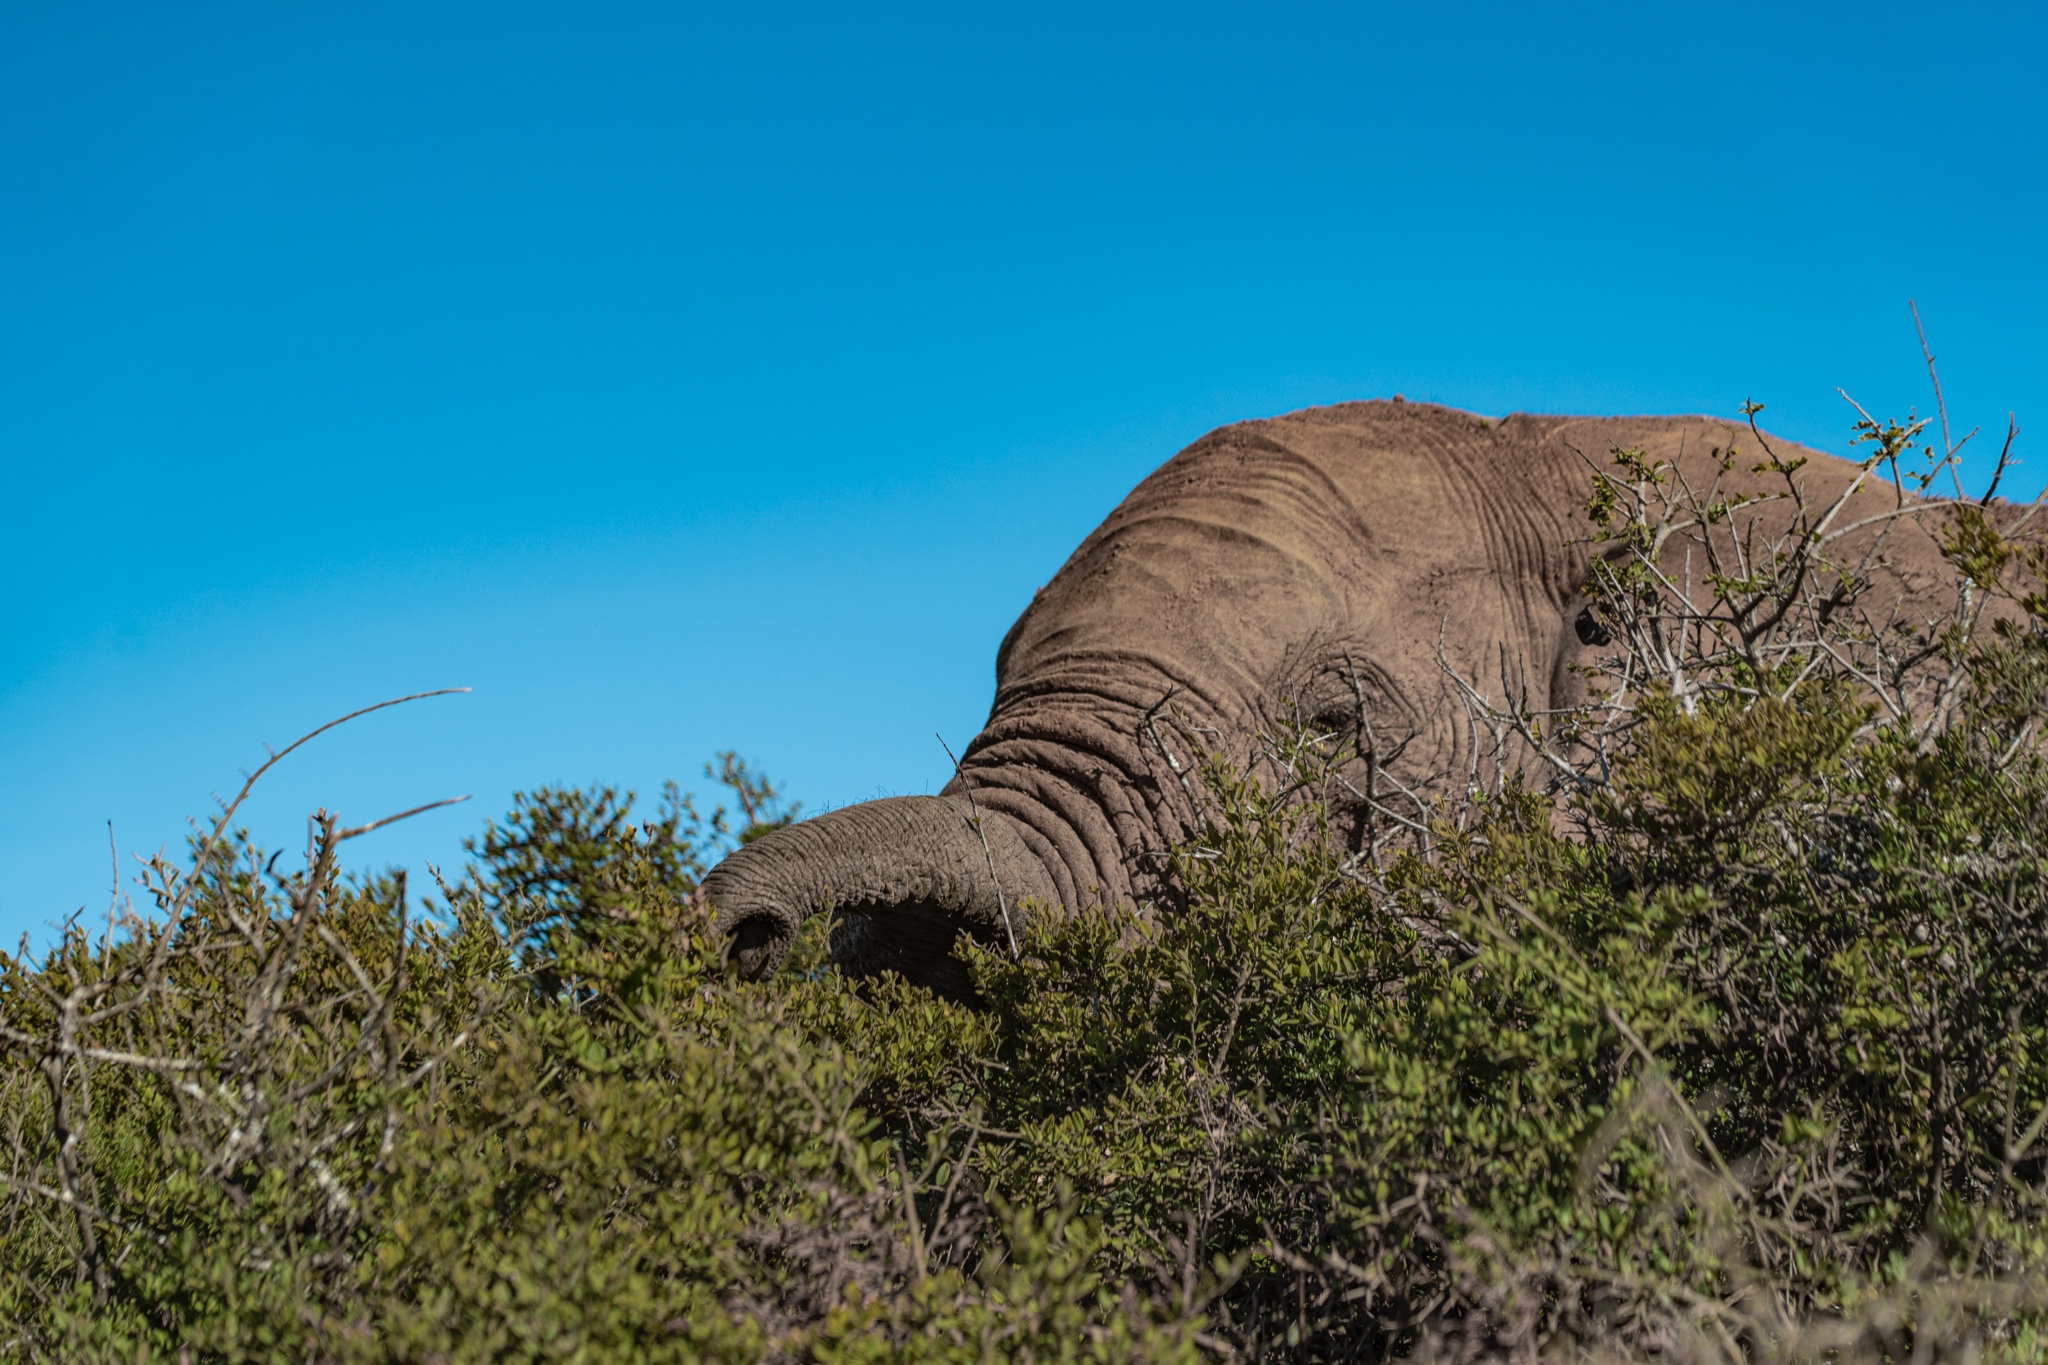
x,y
1329,563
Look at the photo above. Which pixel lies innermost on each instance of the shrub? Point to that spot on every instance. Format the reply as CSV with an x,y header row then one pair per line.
x,y
285,1119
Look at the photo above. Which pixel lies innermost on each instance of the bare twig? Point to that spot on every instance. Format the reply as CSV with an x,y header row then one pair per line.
x,y
2012,431
213,837
402,815
1949,448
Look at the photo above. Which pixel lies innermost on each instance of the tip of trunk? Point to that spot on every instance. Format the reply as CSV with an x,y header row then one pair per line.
x,y
902,878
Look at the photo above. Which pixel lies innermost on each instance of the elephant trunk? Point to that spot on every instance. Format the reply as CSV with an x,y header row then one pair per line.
x,y
901,876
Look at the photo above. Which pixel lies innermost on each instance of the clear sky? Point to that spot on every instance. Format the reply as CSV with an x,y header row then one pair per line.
x,y
684,377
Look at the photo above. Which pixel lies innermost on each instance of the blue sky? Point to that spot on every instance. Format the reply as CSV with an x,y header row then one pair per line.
x,y
683,378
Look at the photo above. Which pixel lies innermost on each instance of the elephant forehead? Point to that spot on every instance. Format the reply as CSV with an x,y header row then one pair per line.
x,y
1199,593
1230,559
1334,496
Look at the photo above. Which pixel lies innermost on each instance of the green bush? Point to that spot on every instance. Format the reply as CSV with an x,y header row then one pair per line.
x,y
1709,1021
544,1126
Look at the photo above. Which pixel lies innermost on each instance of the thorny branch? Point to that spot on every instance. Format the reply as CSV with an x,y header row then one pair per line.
x,y
1711,598
221,948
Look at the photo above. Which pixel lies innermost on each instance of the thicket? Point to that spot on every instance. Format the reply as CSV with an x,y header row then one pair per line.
x,y
1705,1021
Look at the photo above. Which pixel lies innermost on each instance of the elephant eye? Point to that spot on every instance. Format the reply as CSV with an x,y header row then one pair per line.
x,y
1589,629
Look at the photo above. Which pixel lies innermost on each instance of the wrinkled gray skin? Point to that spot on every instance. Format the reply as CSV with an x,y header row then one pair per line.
x,y
1313,560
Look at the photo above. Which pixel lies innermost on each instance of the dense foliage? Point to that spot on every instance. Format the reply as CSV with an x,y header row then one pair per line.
x,y
1709,1019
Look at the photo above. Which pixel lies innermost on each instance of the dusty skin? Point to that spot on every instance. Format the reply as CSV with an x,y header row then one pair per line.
x,y
1327,564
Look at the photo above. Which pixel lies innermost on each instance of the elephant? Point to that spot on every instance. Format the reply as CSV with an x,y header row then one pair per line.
x,y
1333,561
